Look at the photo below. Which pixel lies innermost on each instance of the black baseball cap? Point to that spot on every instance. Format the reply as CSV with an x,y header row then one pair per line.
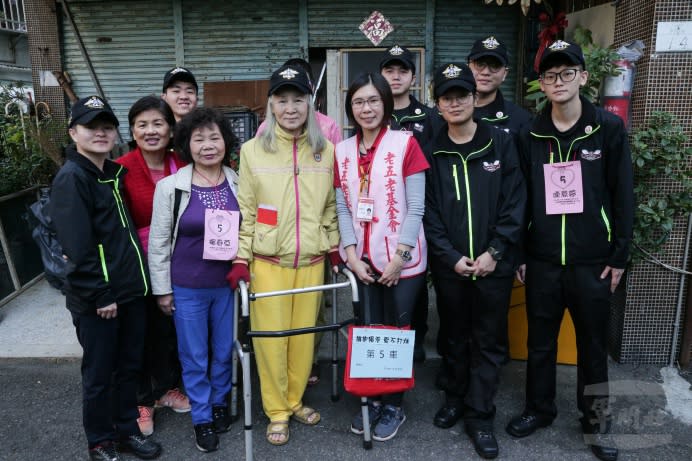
x,y
489,46
561,50
453,75
178,74
290,76
398,54
87,109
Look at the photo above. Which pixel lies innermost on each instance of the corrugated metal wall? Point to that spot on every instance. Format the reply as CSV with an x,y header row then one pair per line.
x,y
131,43
335,24
459,23
239,40
132,63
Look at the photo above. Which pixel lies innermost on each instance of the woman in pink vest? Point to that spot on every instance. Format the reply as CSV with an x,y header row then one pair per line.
x,y
380,193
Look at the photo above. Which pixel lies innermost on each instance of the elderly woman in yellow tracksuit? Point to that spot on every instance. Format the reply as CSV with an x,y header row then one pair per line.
x,y
289,228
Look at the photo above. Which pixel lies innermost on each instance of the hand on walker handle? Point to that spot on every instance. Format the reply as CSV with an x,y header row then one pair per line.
x,y
238,272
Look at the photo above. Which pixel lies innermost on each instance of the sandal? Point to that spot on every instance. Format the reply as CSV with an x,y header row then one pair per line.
x,y
277,428
314,375
306,415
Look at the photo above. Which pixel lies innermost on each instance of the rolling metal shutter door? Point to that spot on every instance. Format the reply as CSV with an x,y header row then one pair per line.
x,y
239,40
459,23
132,64
335,24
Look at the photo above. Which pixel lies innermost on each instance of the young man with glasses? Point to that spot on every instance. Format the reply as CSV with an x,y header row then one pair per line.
x,y
399,69
577,164
474,212
489,62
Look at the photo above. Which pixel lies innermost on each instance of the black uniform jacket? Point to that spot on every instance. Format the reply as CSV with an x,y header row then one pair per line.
x,y
475,198
416,118
602,233
504,114
105,261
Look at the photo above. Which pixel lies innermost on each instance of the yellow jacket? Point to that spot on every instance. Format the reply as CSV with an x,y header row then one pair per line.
x,y
287,202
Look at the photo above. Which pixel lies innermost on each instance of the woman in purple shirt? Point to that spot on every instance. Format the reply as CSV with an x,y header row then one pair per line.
x,y
192,241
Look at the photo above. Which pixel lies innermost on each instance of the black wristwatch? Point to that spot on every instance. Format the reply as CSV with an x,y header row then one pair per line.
x,y
405,255
495,253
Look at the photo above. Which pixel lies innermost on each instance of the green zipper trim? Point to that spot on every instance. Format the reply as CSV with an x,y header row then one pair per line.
x,y
407,118
456,180
468,188
468,208
606,221
104,268
563,243
488,119
122,213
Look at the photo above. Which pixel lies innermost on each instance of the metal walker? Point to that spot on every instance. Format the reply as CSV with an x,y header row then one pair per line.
x,y
242,351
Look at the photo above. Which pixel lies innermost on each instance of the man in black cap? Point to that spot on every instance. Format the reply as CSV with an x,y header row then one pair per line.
x,y
106,281
577,163
180,91
399,69
490,65
474,212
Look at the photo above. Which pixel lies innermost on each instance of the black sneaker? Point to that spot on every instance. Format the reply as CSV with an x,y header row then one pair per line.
x,y
221,419
205,437
141,446
104,452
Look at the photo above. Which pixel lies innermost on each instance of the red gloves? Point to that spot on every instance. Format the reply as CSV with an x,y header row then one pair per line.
x,y
238,272
334,258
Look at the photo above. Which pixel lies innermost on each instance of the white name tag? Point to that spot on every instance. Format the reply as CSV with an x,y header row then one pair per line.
x,y
365,210
382,353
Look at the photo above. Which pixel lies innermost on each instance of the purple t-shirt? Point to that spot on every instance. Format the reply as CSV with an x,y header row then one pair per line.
x,y
188,269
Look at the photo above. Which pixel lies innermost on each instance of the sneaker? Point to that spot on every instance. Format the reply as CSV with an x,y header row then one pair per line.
x,y
374,414
141,446
104,452
221,420
146,420
205,437
175,400
392,418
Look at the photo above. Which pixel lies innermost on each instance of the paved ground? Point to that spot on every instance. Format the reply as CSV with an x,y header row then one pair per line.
x,y
40,415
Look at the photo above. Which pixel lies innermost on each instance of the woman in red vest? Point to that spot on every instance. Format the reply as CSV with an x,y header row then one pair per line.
x,y
151,125
380,193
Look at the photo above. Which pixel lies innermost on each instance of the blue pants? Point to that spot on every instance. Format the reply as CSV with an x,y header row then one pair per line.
x,y
204,324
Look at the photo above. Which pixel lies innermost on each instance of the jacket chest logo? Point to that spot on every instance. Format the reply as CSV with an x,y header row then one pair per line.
x,y
491,166
591,155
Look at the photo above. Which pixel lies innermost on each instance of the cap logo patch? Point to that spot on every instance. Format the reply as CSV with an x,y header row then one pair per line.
x,y
177,70
491,166
452,71
559,45
396,50
288,74
94,103
490,43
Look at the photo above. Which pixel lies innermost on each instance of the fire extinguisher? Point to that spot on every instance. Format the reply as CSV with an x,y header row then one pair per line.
x,y
617,91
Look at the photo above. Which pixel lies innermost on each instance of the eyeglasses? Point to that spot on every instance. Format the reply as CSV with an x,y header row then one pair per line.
x,y
372,102
493,66
447,101
566,75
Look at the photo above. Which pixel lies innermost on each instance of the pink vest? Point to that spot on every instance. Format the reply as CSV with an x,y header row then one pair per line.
x,y
387,188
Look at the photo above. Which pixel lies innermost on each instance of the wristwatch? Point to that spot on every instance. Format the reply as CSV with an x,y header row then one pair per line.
x,y
405,255
495,253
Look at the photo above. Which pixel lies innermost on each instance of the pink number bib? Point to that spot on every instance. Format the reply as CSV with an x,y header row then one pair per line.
x,y
221,234
564,193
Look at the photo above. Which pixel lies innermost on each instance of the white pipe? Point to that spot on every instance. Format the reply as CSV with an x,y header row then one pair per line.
x,y
678,310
